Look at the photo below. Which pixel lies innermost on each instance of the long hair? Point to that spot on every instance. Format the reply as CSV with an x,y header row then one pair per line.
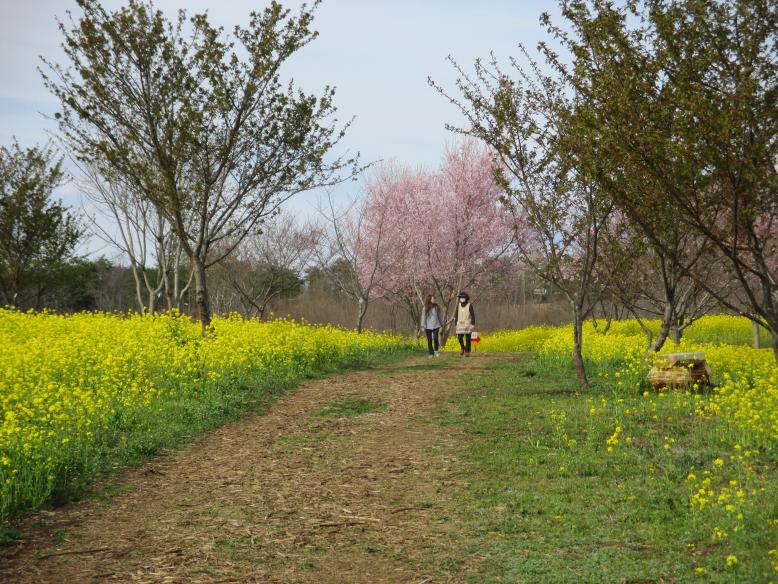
x,y
428,304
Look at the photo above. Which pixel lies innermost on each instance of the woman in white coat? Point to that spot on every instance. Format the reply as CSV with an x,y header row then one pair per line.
x,y
465,323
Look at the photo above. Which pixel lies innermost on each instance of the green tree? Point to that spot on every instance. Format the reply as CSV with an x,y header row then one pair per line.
x,y
75,285
196,121
682,112
37,235
324,278
561,215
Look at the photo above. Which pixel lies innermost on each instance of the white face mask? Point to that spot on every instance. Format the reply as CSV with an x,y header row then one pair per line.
x,y
462,301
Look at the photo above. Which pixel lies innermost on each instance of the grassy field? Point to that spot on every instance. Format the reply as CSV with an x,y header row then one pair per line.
x,y
615,483
607,485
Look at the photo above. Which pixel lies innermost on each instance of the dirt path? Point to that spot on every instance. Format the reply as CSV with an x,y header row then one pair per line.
x,y
298,494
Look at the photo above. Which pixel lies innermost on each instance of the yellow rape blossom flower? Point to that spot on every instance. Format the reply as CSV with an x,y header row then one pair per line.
x,y
66,382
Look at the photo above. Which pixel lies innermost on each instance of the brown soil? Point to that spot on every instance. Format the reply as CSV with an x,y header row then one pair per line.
x,y
288,496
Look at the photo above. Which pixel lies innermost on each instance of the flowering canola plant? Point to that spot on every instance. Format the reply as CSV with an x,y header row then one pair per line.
x,y
71,385
729,493
745,380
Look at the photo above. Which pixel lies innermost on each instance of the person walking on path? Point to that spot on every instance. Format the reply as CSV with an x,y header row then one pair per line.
x,y
430,324
465,323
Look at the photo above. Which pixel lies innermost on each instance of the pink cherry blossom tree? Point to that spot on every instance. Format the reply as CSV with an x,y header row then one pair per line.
x,y
443,230
398,195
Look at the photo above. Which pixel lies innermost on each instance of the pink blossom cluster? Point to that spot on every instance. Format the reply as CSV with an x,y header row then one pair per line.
x,y
434,231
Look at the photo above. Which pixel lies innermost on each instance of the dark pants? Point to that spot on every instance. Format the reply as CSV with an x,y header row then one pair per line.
x,y
464,342
433,344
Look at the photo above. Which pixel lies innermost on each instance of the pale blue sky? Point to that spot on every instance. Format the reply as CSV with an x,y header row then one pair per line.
x,y
378,53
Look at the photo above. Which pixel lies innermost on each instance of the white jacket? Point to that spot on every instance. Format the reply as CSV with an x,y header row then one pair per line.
x,y
465,319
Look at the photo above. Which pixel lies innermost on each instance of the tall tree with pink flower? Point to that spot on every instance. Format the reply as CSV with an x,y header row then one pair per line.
x,y
443,230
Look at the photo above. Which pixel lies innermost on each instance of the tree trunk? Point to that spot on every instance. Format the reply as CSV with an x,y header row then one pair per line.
x,y
676,334
448,314
175,297
757,335
138,293
664,330
168,295
362,310
175,294
661,338
164,287
152,301
201,293
578,362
